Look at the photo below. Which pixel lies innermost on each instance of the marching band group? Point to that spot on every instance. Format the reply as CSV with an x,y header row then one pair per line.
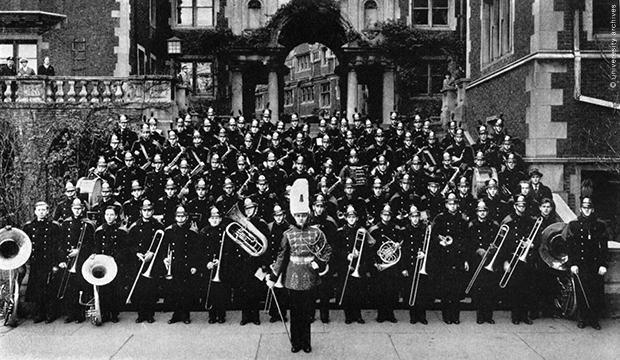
x,y
206,213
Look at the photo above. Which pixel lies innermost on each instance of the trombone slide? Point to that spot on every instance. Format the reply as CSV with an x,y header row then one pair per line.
x,y
501,236
360,237
520,254
420,267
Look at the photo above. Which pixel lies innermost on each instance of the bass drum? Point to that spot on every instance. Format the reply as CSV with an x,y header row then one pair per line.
x,y
90,190
479,178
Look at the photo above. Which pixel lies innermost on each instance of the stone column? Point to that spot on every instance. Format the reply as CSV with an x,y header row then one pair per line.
x,y
237,91
351,93
388,93
273,96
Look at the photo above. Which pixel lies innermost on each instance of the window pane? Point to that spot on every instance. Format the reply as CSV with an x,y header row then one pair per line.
x,y
601,15
420,17
6,50
28,51
208,3
440,3
440,17
205,17
185,16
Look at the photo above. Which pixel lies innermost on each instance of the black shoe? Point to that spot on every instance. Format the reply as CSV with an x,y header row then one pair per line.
x,y
392,320
325,319
140,320
348,321
516,322
380,320
295,349
114,319
479,321
39,319
360,321
221,320
68,320
308,349
412,321
528,321
243,322
596,326
80,320
581,325
256,322
50,320
491,321
424,321
212,320
173,320
274,319
534,315
150,320
448,322
456,322
187,321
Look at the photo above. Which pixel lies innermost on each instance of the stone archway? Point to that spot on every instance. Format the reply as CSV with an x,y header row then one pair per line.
x,y
303,21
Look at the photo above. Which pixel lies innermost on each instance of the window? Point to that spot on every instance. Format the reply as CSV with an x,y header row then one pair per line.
x,y
288,97
19,49
324,55
201,77
254,14
496,29
307,94
197,13
602,15
260,101
370,14
430,12
153,12
326,95
303,62
429,79
141,63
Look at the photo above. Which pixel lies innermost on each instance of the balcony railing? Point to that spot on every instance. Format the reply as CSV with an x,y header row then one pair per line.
x,y
85,90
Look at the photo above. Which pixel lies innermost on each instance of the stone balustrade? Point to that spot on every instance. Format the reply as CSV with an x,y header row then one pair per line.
x,y
85,90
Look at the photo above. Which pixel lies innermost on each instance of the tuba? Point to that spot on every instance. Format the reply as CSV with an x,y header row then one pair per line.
x,y
15,249
389,254
98,270
245,234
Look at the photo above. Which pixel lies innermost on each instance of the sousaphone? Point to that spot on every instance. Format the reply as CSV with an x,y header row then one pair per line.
x,y
15,249
98,270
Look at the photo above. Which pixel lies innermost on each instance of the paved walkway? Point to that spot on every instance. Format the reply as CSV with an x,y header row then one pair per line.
x,y
546,339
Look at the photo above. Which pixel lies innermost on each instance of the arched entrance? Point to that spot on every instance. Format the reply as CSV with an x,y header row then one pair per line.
x,y
321,22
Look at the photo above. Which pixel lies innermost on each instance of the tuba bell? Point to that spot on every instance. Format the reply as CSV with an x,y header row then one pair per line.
x,y
553,248
98,270
15,249
245,234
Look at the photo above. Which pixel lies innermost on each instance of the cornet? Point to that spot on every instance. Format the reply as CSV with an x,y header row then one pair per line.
x,y
445,240
520,253
168,263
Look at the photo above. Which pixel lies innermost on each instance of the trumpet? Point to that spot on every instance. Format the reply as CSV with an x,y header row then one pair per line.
x,y
98,270
147,274
389,253
360,239
71,269
445,240
420,267
493,247
520,253
168,263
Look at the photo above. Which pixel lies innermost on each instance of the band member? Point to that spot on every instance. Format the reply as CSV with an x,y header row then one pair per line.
x,y
249,287
107,199
63,209
180,256
111,239
498,209
276,230
481,233
510,177
402,200
132,207
385,278
520,284
45,235
114,154
165,206
126,136
76,254
229,198
222,254
448,261
467,203
375,202
588,256
303,253
172,151
413,246
155,181
432,200
143,150
143,245
350,253
265,197
126,175
198,207
325,223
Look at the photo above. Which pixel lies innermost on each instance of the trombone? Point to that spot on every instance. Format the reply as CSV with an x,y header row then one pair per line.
x,y
147,274
360,238
420,267
71,265
501,236
216,277
520,253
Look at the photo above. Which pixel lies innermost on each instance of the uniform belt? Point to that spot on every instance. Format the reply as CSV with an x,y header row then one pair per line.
x,y
302,259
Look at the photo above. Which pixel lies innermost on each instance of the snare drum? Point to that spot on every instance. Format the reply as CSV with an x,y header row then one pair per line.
x,y
90,190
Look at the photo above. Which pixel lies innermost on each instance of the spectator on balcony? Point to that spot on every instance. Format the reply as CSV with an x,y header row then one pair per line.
x,y
46,69
9,68
184,77
24,69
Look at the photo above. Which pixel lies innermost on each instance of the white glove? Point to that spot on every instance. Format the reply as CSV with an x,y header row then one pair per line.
x,y
148,256
420,255
574,269
192,271
405,273
350,257
270,283
314,265
466,266
210,265
73,252
62,265
602,270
